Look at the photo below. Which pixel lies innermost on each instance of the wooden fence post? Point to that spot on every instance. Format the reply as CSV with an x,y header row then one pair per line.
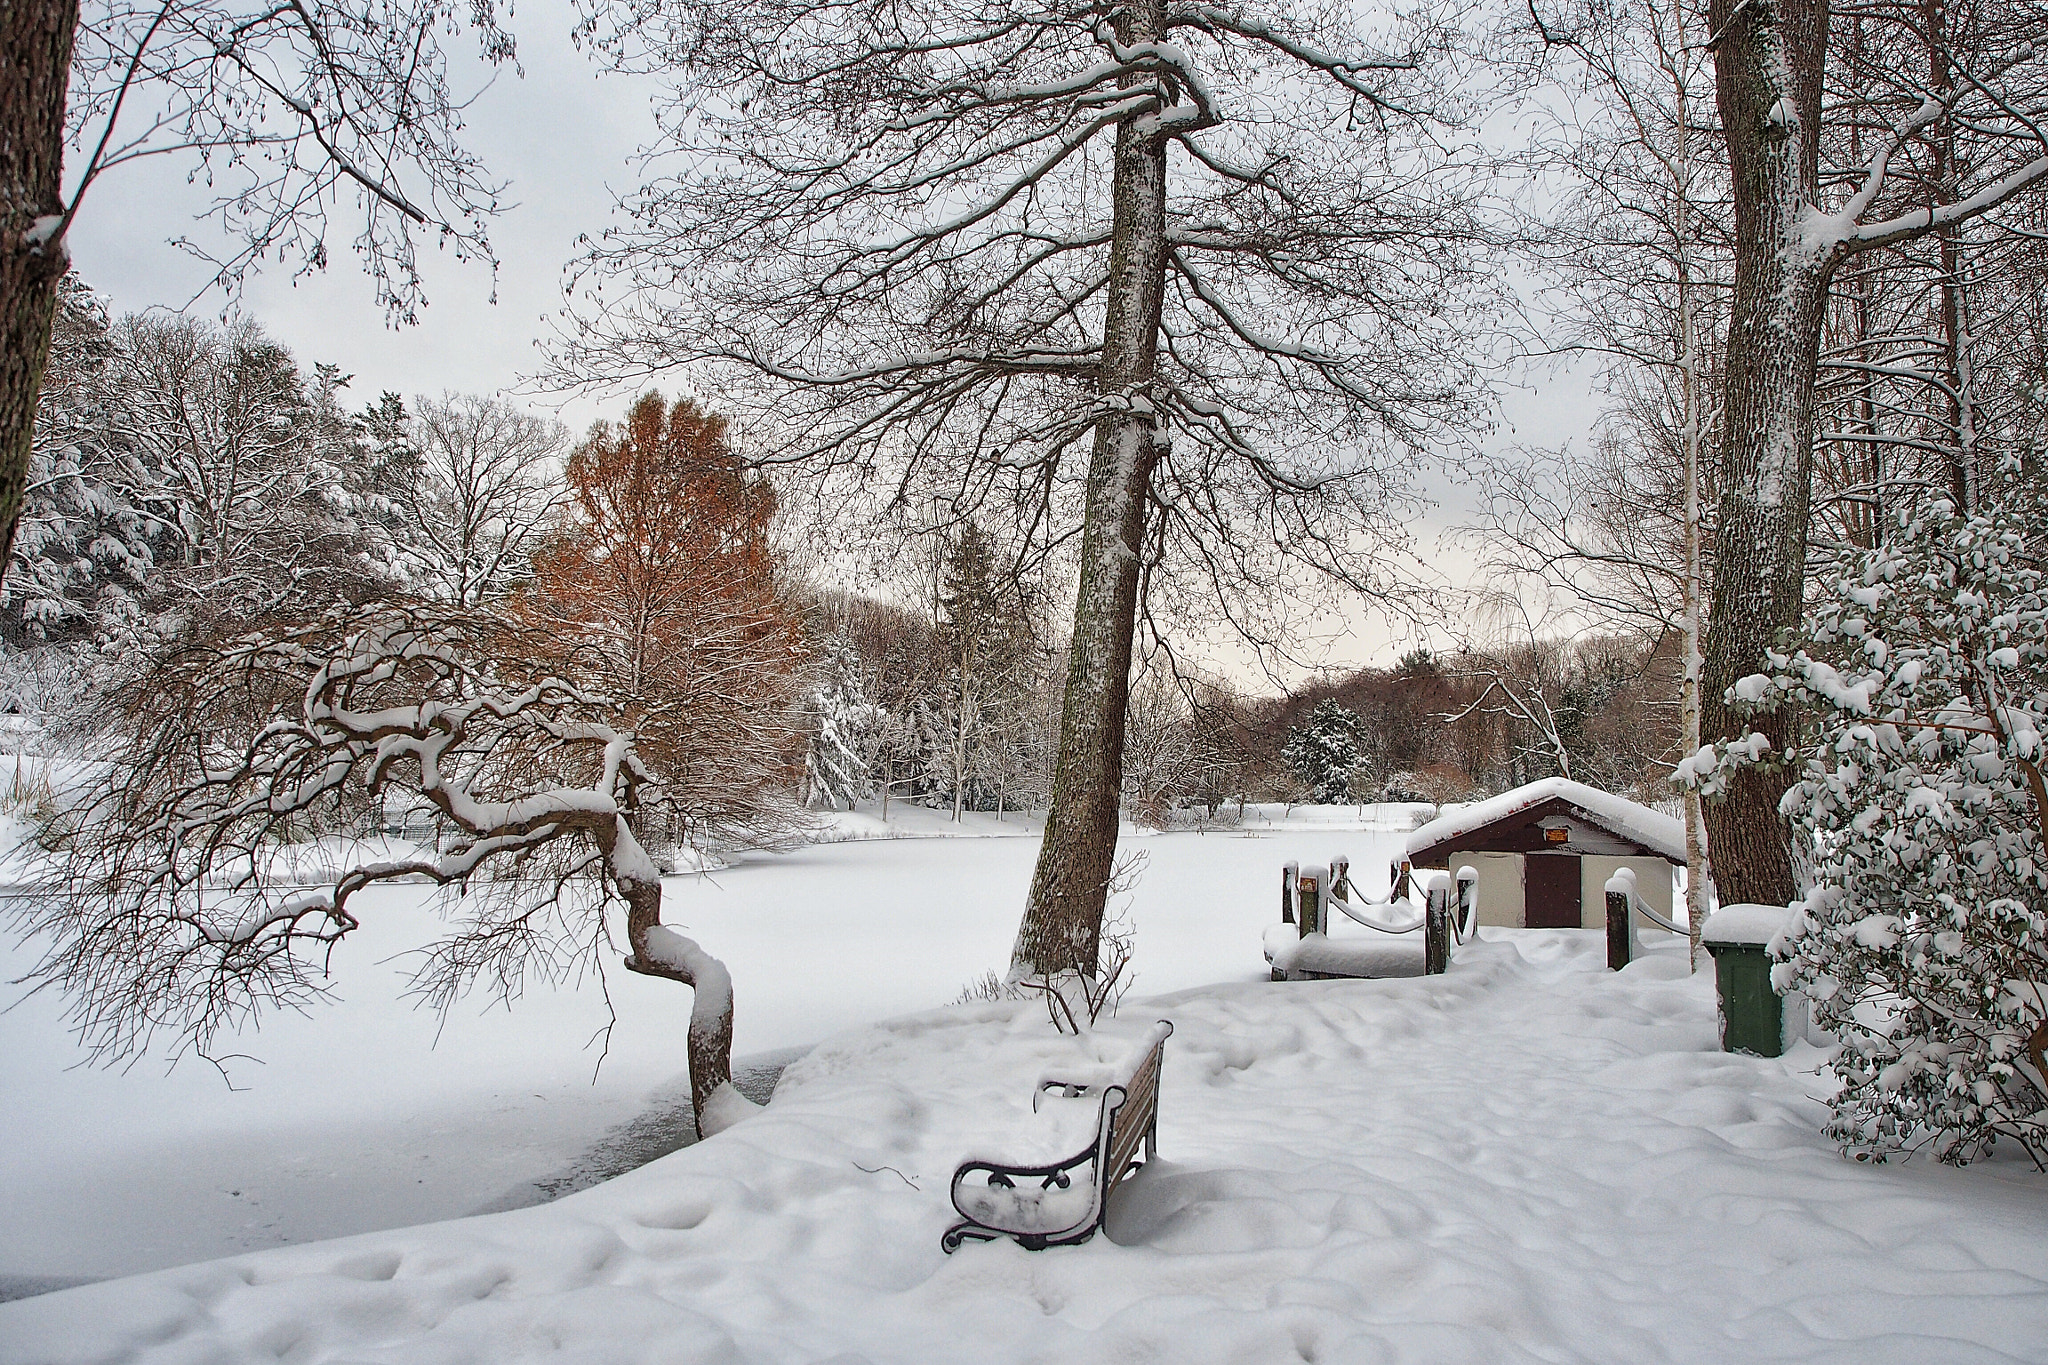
x,y
1436,932
1468,901
1310,888
1621,923
1340,877
1287,871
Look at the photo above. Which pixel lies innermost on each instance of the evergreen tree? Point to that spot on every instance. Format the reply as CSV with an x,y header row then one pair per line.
x,y
86,545
1323,752
985,637
845,733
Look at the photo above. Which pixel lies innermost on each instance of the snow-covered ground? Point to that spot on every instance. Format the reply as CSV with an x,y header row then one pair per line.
x,y
1528,1159
366,1114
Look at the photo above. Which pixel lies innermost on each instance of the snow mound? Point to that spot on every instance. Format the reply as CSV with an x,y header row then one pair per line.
x,y
1529,1158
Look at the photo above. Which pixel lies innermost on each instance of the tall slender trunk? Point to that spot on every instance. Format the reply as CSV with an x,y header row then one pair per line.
x,y
35,71
1063,917
1955,338
1689,405
1767,64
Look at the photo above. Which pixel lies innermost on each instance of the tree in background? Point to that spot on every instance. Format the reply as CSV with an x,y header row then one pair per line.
x,y
847,730
985,635
1323,752
1159,749
475,495
285,110
663,591
86,547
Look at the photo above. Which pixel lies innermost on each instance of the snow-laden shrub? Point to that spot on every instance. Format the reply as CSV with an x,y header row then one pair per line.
x,y
1918,804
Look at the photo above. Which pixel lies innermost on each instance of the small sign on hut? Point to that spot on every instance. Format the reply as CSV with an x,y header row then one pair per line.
x,y
1544,853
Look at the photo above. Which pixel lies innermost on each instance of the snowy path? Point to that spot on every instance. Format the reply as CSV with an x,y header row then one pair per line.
x,y
1526,1160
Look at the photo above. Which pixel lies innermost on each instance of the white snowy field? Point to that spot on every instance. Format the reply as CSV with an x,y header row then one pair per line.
x,y
1528,1159
366,1114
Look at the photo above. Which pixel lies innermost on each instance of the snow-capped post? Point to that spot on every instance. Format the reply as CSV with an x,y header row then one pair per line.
x,y
1621,921
1436,932
1288,872
1468,900
1340,877
1310,885
1404,881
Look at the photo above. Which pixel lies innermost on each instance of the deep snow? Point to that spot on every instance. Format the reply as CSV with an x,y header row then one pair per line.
x,y
1528,1159
366,1114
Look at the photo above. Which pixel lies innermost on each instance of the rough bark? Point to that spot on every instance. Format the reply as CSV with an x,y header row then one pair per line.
x,y
1768,66
1063,917
35,67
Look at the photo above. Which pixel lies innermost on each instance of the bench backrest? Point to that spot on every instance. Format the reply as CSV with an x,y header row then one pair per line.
x,y
1134,1117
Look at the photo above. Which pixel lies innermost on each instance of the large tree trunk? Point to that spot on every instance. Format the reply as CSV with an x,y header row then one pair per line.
x,y
1768,65
1063,918
35,69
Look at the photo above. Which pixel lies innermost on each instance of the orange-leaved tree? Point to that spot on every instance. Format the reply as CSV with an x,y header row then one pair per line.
x,y
664,590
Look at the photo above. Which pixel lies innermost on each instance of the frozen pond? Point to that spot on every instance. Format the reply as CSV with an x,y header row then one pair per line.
x,y
367,1114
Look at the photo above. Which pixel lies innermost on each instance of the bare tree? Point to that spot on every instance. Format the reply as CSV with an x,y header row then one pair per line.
x,y
286,110
1176,282
481,496
1808,200
165,913
1644,251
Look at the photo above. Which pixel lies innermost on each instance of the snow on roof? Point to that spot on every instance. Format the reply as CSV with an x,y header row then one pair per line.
x,y
1657,832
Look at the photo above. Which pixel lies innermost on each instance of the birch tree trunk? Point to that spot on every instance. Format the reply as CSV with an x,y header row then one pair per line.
x,y
1768,66
1063,916
1689,403
35,71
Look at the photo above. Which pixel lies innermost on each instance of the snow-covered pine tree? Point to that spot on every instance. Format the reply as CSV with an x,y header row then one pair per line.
x,y
1918,802
1323,752
85,547
844,722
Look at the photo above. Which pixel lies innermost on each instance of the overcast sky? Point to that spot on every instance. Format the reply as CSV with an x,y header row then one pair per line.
x,y
564,138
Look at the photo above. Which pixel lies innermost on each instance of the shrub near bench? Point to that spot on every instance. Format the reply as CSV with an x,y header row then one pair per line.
x,y
1064,1203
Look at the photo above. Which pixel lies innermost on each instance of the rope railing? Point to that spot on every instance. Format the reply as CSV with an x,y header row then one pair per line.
x,y
1358,913
1643,908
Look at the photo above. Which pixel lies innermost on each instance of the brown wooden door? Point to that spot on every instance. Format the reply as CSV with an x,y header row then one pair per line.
x,y
1550,891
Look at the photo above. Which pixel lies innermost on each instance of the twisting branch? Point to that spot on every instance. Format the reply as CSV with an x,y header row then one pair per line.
x,y
167,907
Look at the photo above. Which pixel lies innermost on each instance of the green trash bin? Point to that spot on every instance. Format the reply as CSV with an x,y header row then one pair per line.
x,y
1752,1014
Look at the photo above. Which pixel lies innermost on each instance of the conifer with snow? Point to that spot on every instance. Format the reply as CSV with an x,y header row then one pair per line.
x,y
844,729
1323,752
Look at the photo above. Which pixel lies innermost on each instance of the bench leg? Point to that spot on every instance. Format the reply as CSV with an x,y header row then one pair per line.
x,y
1152,1138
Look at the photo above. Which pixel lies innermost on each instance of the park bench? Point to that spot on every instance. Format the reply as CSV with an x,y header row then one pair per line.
x,y
1064,1203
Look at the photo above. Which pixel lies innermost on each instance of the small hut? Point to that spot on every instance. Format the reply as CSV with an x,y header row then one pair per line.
x,y
1544,852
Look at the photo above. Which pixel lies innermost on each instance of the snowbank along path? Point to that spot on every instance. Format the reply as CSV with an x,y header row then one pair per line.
x,y
1528,1159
